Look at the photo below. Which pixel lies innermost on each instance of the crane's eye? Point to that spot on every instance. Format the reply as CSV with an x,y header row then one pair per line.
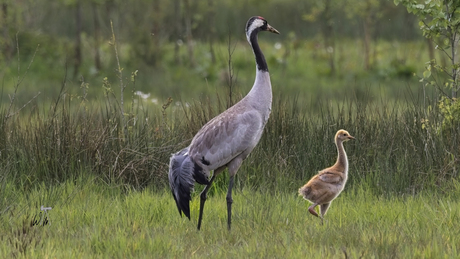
x,y
344,134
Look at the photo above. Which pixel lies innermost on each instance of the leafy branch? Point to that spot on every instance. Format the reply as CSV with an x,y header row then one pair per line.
x,y
439,19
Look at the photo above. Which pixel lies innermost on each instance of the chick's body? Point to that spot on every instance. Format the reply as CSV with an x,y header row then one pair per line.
x,y
324,187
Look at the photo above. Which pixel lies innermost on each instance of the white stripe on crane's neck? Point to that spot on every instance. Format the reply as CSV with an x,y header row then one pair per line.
x,y
251,35
256,24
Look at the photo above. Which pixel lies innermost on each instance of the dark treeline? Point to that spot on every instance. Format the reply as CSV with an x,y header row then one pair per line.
x,y
149,25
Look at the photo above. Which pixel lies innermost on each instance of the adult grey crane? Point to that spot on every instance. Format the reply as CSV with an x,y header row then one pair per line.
x,y
227,139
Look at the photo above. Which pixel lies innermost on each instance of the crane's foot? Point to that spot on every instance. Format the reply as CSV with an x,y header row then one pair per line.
x,y
311,209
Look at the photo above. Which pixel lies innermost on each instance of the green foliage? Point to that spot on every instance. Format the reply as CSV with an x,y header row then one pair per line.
x,y
439,21
443,16
401,69
450,112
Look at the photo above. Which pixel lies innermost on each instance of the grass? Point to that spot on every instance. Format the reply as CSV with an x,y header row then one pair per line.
x,y
404,141
90,219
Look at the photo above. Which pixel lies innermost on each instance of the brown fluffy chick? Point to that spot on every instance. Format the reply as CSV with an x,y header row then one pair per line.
x,y
324,187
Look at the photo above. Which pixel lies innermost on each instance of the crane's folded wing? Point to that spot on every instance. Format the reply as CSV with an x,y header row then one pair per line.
x,y
330,177
225,137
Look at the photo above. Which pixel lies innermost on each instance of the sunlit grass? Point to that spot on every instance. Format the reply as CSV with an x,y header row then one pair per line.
x,y
90,219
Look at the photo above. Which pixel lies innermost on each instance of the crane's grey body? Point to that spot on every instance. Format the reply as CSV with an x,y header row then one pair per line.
x,y
235,132
227,139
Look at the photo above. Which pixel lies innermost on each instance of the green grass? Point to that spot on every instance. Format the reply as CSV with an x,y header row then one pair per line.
x,y
90,219
70,137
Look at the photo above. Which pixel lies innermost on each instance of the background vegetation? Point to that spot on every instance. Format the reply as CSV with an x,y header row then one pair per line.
x,y
96,95
167,41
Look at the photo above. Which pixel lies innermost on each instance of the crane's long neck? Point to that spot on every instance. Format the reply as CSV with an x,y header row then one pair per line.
x,y
342,160
261,92
260,59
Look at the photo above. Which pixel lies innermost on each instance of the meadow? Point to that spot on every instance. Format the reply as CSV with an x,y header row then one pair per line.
x,y
103,169
93,220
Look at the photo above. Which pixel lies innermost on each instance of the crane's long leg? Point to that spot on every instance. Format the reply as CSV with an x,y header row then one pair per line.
x,y
232,169
323,208
203,197
204,194
311,209
230,201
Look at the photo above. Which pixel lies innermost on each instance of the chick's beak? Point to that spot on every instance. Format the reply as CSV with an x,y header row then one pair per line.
x,y
271,29
351,137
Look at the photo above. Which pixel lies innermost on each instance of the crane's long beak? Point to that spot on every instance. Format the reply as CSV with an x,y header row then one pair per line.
x,y
271,29
351,137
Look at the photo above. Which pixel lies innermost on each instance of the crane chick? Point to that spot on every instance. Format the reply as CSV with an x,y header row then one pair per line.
x,y
324,187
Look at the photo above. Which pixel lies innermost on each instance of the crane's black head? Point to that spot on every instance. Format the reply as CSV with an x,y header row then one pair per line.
x,y
253,26
258,23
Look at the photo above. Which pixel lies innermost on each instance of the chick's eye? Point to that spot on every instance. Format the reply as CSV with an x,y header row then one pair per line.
x,y
344,134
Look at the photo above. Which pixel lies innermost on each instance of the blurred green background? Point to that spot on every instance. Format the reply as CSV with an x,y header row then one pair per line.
x,y
182,48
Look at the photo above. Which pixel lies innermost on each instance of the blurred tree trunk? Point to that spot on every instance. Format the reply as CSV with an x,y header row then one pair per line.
x,y
97,33
367,11
430,48
177,32
328,33
188,31
109,6
367,41
155,33
7,48
454,40
212,29
77,60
